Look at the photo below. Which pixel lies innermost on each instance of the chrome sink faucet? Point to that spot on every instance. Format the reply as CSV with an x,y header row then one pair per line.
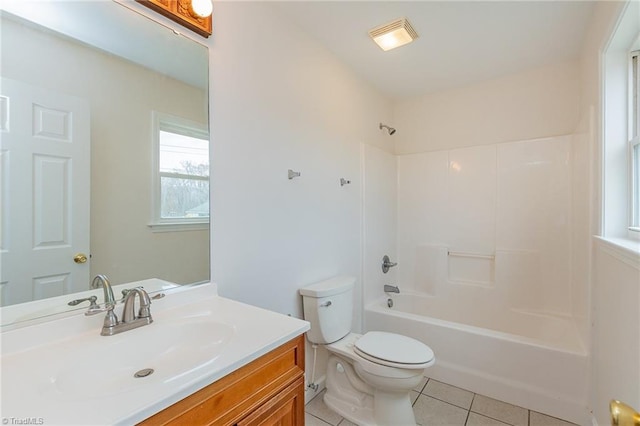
x,y
103,281
130,320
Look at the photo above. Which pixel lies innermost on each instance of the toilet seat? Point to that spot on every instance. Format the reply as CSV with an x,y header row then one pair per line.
x,y
394,350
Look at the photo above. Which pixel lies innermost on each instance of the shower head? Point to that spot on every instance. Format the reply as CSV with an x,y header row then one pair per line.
x,y
391,130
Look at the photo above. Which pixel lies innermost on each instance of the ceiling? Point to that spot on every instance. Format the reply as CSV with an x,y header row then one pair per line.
x,y
459,42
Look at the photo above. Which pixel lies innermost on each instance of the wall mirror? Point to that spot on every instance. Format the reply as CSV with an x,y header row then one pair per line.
x,y
81,85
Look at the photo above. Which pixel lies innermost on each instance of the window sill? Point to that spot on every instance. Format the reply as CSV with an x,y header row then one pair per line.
x,y
624,249
178,226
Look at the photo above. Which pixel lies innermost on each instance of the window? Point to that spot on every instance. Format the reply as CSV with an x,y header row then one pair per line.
x,y
181,174
634,143
620,130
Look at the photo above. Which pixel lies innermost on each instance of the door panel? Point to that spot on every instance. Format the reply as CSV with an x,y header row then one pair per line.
x,y
44,190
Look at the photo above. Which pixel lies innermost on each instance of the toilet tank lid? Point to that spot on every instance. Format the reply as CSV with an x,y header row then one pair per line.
x,y
330,287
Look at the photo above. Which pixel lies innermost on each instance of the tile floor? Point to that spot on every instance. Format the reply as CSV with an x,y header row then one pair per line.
x,y
439,404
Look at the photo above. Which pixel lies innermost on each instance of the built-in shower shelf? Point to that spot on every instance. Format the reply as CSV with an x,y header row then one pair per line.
x,y
471,268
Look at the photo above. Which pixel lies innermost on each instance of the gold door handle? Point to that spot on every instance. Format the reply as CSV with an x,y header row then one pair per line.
x,y
80,258
623,415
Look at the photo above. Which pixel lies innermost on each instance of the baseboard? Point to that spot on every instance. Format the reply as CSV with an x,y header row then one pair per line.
x,y
310,393
513,392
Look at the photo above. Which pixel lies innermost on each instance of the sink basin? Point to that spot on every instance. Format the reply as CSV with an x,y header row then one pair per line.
x,y
71,375
171,350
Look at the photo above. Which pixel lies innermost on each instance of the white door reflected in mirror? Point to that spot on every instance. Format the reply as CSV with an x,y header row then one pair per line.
x,y
45,158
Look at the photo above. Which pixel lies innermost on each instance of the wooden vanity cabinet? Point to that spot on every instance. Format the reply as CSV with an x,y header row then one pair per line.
x,y
267,391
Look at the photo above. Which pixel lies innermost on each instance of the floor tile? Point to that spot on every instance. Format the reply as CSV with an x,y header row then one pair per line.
x,y
414,395
507,413
421,385
318,408
447,393
346,422
310,420
539,419
476,419
432,412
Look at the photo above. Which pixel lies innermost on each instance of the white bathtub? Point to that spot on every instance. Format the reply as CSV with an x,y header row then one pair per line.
x,y
531,360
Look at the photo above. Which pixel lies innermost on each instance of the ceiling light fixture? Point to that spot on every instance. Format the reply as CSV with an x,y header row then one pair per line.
x,y
201,8
394,34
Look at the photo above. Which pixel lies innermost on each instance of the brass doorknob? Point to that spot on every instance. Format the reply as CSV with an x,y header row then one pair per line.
x,y
623,415
80,258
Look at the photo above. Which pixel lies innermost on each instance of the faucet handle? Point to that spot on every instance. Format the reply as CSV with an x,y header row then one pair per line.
x,y
387,263
92,300
94,308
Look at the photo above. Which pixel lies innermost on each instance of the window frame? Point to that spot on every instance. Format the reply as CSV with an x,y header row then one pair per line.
x,y
166,122
634,143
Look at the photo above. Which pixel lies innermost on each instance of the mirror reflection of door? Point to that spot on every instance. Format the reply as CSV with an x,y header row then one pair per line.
x,y
45,149
125,66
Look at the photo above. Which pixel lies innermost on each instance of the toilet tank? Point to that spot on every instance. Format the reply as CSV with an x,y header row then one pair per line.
x,y
328,306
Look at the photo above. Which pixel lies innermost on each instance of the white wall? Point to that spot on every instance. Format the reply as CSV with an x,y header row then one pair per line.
x,y
281,101
616,329
533,104
121,96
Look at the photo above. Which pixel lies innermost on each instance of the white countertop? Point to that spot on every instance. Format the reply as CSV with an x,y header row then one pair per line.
x,y
39,362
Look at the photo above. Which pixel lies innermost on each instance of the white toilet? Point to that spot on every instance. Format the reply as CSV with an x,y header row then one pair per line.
x,y
370,376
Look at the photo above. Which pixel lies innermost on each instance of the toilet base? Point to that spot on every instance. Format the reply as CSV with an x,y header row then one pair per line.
x,y
361,415
360,403
364,415
393,409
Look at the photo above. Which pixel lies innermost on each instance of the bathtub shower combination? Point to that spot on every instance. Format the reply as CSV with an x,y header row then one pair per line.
x,y
534,361
487,273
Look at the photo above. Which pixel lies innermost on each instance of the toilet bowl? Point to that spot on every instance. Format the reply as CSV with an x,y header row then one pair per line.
x,y
371,390
370,376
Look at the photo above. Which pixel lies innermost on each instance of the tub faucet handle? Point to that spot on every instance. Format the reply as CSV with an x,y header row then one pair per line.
x,y
387,263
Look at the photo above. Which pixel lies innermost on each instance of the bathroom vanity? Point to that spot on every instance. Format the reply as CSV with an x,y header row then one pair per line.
x,y
214,361
268,390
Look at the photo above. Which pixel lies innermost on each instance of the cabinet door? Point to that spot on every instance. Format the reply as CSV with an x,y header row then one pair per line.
x,y
284,409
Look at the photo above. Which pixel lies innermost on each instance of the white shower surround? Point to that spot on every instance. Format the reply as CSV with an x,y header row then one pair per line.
x,y
508,324
510,202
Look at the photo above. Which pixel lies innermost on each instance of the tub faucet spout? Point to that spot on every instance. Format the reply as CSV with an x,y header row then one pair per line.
x,y
391,289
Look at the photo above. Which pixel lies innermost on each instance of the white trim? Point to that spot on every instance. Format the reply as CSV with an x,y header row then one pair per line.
x,y
626,251
616,193
176,227
633,95
167,122
634,190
